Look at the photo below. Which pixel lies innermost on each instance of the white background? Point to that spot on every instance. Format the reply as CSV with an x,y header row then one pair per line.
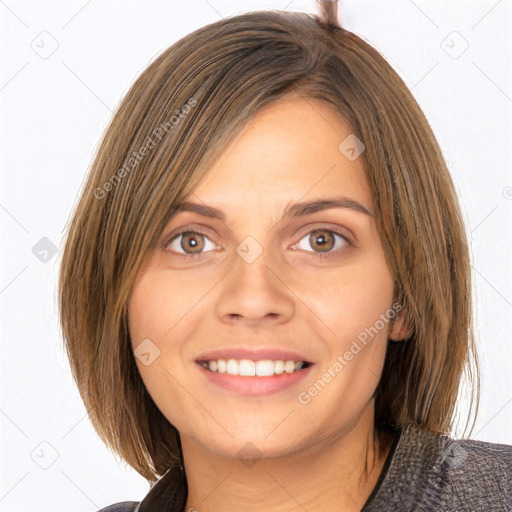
x,y
55,109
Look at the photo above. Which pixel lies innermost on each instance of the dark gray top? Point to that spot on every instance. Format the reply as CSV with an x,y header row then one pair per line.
x,y
423,472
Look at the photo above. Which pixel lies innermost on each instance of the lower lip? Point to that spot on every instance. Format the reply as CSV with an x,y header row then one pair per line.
x,y
254,386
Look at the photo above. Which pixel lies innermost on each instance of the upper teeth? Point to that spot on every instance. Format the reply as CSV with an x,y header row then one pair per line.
x,y
246,367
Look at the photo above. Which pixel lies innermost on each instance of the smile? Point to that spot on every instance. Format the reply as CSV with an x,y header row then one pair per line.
x,y
253,378
248,368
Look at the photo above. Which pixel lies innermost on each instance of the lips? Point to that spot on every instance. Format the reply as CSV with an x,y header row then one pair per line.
x,y
251,371
252,354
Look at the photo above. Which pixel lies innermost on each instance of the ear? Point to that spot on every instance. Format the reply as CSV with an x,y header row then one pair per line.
x,y
399,331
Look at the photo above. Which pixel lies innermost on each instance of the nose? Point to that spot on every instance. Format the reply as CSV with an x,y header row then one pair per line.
x,y
255,292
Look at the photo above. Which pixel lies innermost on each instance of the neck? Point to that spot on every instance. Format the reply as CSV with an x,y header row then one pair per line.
x,y
335,474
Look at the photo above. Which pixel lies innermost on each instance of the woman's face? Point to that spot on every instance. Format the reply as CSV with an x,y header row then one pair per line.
x,y
247,293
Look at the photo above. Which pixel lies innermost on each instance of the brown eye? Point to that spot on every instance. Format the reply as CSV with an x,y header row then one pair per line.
x,y
189,243
192,241
322,241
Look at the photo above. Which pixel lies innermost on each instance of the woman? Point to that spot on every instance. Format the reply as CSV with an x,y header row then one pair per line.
x,y
265,291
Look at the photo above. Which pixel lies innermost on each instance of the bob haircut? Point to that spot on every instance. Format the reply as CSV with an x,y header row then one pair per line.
x,y
174,121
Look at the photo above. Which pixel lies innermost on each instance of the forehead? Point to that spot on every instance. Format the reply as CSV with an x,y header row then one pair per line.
x,y
289,150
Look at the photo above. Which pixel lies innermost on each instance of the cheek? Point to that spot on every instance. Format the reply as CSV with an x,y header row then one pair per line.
x,y
349,299
150,316
354,306
157,303
165,310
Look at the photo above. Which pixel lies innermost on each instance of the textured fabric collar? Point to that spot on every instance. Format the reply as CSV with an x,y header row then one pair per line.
x,y
168,493
423,471
432,471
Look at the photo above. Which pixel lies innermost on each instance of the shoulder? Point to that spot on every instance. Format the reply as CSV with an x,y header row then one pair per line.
x,y
435,472
169,492
123,506
492,456
477,470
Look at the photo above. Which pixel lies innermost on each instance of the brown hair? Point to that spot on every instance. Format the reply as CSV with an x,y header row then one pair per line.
x,y
174,121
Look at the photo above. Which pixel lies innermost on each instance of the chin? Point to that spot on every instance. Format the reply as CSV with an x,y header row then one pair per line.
x,y
249,447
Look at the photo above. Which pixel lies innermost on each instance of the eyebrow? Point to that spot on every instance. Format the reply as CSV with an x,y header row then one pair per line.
x,y
294,210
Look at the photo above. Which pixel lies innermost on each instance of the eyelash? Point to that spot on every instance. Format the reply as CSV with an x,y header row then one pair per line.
x,y
330,254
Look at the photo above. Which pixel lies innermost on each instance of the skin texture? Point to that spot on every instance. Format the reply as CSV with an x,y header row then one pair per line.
x,y
289,297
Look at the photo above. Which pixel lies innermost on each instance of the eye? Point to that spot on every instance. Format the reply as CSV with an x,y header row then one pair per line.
x,y
186,241
324,241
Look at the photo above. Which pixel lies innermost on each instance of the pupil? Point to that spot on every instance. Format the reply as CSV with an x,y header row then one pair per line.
x,y
321,241
192,242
